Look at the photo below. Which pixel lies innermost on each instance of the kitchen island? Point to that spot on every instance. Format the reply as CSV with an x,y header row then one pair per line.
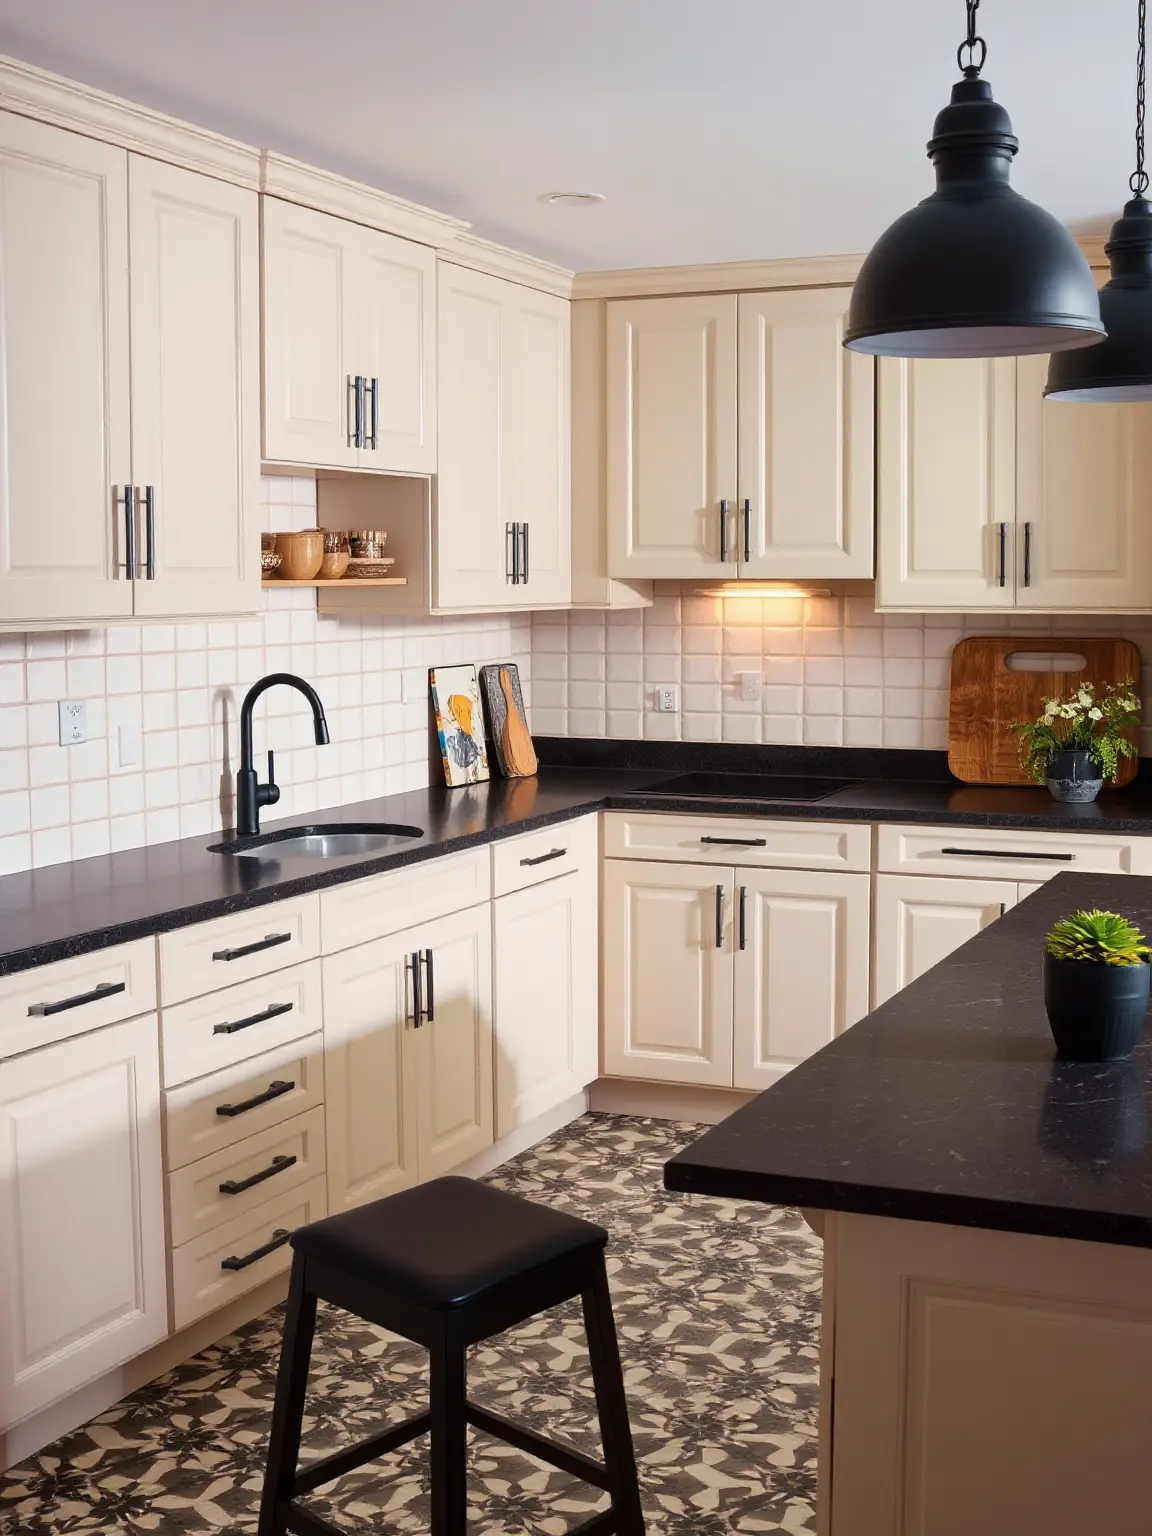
x,y
986,1362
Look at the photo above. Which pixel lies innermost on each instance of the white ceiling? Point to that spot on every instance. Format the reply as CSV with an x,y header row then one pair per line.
x,y
721,130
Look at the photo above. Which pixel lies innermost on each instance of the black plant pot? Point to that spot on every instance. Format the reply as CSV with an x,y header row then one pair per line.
x,y
1096,1011
1074,776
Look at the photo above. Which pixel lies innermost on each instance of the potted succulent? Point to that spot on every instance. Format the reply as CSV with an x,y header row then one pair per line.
x,y
1096,974
1078,741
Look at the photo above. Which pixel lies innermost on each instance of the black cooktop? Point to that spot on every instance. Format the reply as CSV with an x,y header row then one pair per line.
x,y
751,786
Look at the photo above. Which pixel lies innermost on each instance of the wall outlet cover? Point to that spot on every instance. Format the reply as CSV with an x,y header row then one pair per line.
x,y
667,699
750,686
73,721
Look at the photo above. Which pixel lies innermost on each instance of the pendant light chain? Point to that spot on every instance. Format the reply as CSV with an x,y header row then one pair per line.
x,y
1139,179
974,42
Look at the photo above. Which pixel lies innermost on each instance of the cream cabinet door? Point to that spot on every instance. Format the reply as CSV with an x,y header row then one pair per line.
x,y
82,1247
667,963
450,1056
946,491
806,429
920,920
802,958
395,319
310,338
195,262
545,967
536,443
370,1117
65,425
671,448
1084,500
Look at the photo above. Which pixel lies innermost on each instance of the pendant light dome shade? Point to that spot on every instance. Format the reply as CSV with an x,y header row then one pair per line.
x,y
975,270
1120,368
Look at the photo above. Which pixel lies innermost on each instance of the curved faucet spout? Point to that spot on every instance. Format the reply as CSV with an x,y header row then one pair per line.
x,y
251,795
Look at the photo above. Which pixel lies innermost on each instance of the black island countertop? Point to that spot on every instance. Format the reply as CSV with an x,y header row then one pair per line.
x,y
68,909
948,1104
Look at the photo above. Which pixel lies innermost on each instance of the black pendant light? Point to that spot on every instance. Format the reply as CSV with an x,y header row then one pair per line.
x,y
1121,367
975,270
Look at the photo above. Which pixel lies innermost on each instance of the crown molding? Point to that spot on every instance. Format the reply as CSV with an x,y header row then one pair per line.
x,y
296,182
80,108
718,277
469,250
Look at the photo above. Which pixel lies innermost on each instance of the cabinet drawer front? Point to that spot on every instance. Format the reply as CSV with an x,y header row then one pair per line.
x,y
229,1184
200,1281
230,1026
369,909
536,856
215,1112
70,997
1003,854
230,949
746,840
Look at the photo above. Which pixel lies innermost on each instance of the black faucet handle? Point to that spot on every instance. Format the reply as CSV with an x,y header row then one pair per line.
x,y
269,793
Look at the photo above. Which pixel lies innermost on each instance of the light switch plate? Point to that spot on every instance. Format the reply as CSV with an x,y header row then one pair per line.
x,y
73,721
129,748
667,699
750,683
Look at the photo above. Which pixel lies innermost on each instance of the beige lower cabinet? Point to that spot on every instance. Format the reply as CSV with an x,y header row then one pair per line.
x,y
408,1056
728,977
82,1247
544,954
921,919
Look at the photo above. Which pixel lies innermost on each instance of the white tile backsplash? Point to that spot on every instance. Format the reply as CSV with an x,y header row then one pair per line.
x,y
178,687
834,672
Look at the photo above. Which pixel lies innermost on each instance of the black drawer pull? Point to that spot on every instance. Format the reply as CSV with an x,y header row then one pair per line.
x,y
736,842
545,858
719,917
105,989
743,917
269,941
1008,853
273,1011
275,1090
238,1186
277,1240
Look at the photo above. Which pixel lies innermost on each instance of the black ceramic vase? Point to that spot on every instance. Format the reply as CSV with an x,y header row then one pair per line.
x,y
1096,1011
1074,776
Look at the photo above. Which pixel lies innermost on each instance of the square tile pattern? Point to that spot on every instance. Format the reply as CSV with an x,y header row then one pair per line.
x,y
717,1306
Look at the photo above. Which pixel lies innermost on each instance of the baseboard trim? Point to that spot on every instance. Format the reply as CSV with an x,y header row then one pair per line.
x,y
665,1101
525,1136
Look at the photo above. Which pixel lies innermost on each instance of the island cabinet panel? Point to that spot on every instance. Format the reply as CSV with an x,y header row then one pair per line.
x,y
920,921
82,1248
801,967
989,1382
667,965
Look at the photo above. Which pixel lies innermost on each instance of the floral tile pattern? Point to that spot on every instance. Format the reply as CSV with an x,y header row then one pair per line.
x,y
718,1308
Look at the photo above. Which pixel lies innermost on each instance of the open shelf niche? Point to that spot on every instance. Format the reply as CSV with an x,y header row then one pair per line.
x,y
402,506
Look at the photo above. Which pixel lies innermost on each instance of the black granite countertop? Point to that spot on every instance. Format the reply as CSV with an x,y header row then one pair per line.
x,y
68,909
947,1103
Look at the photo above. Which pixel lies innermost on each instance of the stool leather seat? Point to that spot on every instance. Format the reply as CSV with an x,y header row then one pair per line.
x,y
446,1243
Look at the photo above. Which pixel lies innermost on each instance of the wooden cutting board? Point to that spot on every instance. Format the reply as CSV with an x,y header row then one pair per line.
x,y
987,696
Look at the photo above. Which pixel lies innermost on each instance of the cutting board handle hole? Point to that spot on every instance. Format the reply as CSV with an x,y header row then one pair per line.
x,y
1045,661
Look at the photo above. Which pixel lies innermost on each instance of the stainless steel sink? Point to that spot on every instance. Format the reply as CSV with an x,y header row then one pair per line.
x,y
340,840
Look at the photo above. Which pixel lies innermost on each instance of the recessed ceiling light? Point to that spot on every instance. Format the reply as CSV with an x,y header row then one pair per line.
x,y
571,199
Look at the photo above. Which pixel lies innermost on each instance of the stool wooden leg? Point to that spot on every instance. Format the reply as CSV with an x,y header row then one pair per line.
x,y
449,1450
288,1411
612,1406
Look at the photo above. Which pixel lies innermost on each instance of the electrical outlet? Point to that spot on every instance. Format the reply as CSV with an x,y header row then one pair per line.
x,y
667,699
750,687
73,721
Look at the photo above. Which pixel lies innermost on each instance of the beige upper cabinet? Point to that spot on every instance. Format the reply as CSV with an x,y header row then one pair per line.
x,y
806,491
349,344
503,495
671,442
65,414
195,307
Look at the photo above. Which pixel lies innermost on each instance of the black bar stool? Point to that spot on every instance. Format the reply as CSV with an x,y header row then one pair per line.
x,y
447,1264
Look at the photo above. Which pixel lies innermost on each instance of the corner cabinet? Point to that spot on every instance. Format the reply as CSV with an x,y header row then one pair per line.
x,y
502,511
349,344
740,438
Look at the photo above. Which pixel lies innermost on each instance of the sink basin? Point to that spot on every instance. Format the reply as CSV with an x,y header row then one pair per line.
x,y
340,840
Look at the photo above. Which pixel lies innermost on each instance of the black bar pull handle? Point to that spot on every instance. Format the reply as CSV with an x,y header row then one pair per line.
x,y
736,842
130,532
430,994
1003,908
1003,554
512,531
269,941
373,440
150,532
275,1090
277,1240
524,569
723,532
1027,554
743,917
719,917
412,964
273,1011
278,1165
1008,853
747,530
545,858
102,990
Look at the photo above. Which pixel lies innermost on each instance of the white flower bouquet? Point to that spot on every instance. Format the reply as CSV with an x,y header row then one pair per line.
x,y
1083,721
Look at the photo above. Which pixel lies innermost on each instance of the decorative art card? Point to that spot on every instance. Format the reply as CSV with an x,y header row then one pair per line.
x,y
459,724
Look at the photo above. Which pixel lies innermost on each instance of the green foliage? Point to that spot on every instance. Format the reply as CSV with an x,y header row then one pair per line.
x,y
1100,938
1082,721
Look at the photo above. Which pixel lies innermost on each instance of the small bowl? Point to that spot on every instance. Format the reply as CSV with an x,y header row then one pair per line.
x,y
301,553
367,543
334,542
269,561
333,566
